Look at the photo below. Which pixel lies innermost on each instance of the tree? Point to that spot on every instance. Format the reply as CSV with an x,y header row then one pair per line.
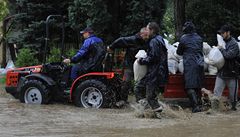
x,y
179,16
210,15
140,12
113,18
93,13
30,22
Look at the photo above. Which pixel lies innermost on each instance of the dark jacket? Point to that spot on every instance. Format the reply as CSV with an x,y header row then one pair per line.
x,y
132,44
230,55
191,48
156,62
91,54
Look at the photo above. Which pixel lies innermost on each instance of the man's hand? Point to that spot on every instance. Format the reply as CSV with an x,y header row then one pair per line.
x,y
67,61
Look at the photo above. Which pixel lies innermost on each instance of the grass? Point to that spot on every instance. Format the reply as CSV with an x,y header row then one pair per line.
x,y
2,79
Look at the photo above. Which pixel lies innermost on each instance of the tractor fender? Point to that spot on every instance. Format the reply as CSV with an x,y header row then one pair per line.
x,y
42,77
107,75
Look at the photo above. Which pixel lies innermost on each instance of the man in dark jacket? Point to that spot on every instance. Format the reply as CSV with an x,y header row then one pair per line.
x,y
89,56
191,48
132,44
157,73
227,74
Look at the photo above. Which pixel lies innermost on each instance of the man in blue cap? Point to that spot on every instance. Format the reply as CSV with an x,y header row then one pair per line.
x,y
89,56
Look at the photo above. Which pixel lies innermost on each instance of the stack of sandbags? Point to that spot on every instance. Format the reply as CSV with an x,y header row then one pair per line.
x,y
172,58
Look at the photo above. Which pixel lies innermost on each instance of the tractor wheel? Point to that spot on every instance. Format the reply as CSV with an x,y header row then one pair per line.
x,y
93,94
34,92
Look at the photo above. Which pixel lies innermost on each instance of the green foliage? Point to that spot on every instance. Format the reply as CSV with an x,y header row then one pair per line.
x,y
140,12
111,19
2,79
168,23
3,9
71,52
30,20
210,15
26,58
91,13
55,55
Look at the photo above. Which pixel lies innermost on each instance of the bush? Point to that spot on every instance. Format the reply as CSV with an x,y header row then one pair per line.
x,y
55,54
71,52
26,58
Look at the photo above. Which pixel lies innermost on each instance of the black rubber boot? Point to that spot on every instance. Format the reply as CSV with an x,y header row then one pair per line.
x,y
234,104
194,101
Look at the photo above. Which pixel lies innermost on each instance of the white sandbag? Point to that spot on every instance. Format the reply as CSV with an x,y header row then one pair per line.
x,y
212,70
239,45
172,66
166,42
215,58
206,48
239,38
141,54
175,44
221,42
177,56
139,70
10,65
171,56
180,66
205,64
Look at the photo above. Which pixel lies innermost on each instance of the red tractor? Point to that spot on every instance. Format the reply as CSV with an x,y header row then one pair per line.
x,y
48,82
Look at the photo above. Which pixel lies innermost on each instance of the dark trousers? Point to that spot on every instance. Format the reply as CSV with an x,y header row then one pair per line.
x,y
127,84
145,89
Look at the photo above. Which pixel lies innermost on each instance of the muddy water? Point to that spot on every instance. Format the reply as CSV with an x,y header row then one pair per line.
x,y
57,120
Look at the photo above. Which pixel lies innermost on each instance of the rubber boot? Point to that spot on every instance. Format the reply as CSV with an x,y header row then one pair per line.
x,y
193,100
234,106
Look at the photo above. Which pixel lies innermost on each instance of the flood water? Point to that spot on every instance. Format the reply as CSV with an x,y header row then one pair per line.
x,y
58,120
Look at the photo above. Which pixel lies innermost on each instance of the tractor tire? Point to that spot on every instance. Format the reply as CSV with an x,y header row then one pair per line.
x,y
34,92
93,94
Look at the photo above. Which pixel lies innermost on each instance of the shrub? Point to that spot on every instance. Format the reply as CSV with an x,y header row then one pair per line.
x,y
26,58
55,54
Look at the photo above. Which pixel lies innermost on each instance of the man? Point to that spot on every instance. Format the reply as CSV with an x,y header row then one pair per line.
x,y
191,48
132,44
88,56
226,75
157,73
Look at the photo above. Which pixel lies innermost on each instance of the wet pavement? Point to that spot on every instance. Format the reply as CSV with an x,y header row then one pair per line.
x,y
58,120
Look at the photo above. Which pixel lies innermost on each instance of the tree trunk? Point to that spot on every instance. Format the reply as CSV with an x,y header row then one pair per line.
x,y
114,10
179,16
4,43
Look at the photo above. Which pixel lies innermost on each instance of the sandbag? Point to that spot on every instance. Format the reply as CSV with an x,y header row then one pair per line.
x,y
212,70
206,48
172,66
221,42
10,65
215,58
239,45
180,66
139,70
178,57
141,54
